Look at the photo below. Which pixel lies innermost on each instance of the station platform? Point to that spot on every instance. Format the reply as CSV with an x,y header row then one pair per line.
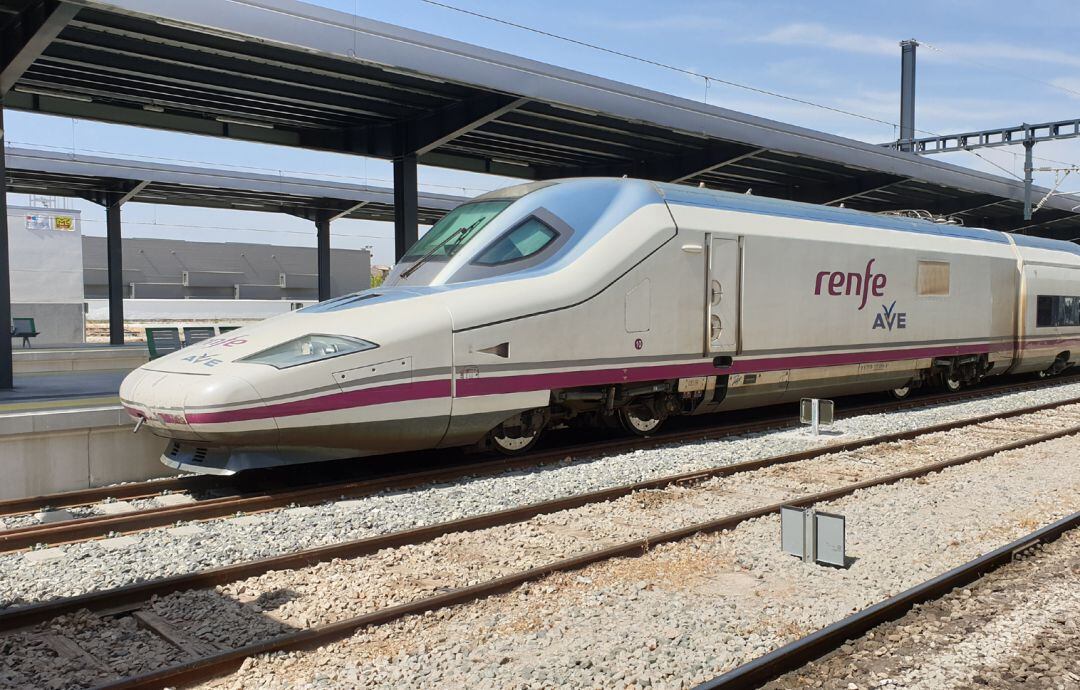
x,y
79,357
66,430
67,389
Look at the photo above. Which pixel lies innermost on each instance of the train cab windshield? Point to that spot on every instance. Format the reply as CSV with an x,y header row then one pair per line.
x,y
454,231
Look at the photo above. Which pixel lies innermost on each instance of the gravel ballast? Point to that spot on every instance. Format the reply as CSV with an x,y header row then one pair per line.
x,y
1016,627
688,611
87,566
335,590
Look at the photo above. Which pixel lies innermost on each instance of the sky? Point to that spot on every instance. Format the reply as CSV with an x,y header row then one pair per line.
x,y
981,64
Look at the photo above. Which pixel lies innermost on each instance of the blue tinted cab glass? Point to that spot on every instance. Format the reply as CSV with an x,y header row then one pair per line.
x,y
454,230
525,240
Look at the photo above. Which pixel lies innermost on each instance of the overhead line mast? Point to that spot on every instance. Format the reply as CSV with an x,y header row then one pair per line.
x,y
1024,133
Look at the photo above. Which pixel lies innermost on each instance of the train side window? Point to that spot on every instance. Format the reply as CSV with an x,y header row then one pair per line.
x,y
1055,310
1068,311
526,239
933,278
1044,311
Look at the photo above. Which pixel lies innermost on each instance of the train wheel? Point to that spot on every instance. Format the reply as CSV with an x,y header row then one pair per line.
x,y
901,393
508,445
513,438
950,384
640,420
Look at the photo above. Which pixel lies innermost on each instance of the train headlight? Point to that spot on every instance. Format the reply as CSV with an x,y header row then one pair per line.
x,y
309,348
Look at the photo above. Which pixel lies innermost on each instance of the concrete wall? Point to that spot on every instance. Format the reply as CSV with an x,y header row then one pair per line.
x,y
104,358
46,452
47,272
192,309
58,324
154,268
46,255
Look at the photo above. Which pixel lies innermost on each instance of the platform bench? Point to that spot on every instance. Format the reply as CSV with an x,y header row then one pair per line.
x,y
25,329
197,334
162,341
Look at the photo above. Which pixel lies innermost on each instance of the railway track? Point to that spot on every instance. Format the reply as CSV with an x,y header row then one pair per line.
x,y
127,599
31,535
793,656
288,478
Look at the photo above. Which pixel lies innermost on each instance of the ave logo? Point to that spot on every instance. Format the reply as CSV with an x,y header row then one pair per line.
x,y
862,285
204,359
889,318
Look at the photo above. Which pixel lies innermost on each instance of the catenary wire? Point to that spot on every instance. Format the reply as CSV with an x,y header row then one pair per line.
x,y
997,69
699,75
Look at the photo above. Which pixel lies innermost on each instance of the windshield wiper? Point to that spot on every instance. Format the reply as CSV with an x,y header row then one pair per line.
x,y
460,232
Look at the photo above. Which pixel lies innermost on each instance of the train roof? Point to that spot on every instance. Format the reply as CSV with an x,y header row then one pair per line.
x,y
748,203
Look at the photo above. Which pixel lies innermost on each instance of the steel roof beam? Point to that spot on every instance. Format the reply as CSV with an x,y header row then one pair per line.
x,y
709,157
834,193
457,160
965,205
171,56
1024,227
551,118
432,131
866,189
24,39
131,192
515,135
345,211
427,132
692,166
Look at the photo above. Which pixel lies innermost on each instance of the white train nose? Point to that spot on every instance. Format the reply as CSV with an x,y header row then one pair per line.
x,y
218,408
156,398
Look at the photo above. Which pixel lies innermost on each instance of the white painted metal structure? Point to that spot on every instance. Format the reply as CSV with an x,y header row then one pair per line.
x,y
590,300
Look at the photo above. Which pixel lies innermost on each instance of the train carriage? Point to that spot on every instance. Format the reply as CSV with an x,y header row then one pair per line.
x,y
615,301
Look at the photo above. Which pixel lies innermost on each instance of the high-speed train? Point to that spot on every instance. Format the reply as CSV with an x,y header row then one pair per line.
x,y
614,301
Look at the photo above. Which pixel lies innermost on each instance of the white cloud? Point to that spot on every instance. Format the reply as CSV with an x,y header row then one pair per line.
x,y
1004,52
678,22
820,35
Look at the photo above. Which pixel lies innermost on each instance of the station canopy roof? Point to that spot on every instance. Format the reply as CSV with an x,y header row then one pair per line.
x,y
98,179
290,73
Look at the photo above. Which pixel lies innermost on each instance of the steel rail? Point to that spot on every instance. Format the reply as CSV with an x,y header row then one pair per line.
x,y
149,489
127,595
100,525
82,497
91,527
224,662
794,655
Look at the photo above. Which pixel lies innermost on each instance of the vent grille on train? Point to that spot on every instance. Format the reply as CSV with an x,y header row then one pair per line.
x,y
174,449
199,455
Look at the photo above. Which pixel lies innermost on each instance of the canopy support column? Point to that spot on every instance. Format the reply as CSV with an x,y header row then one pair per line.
x,y
7,378
405,204
322,228
115,258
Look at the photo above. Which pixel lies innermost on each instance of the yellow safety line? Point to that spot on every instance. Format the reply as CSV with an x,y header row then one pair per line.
x,y
69,372
31,405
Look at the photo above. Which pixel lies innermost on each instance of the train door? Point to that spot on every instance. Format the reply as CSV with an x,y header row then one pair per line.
x,y
722,296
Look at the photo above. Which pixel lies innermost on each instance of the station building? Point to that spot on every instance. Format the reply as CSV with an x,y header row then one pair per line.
x,y
59,277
